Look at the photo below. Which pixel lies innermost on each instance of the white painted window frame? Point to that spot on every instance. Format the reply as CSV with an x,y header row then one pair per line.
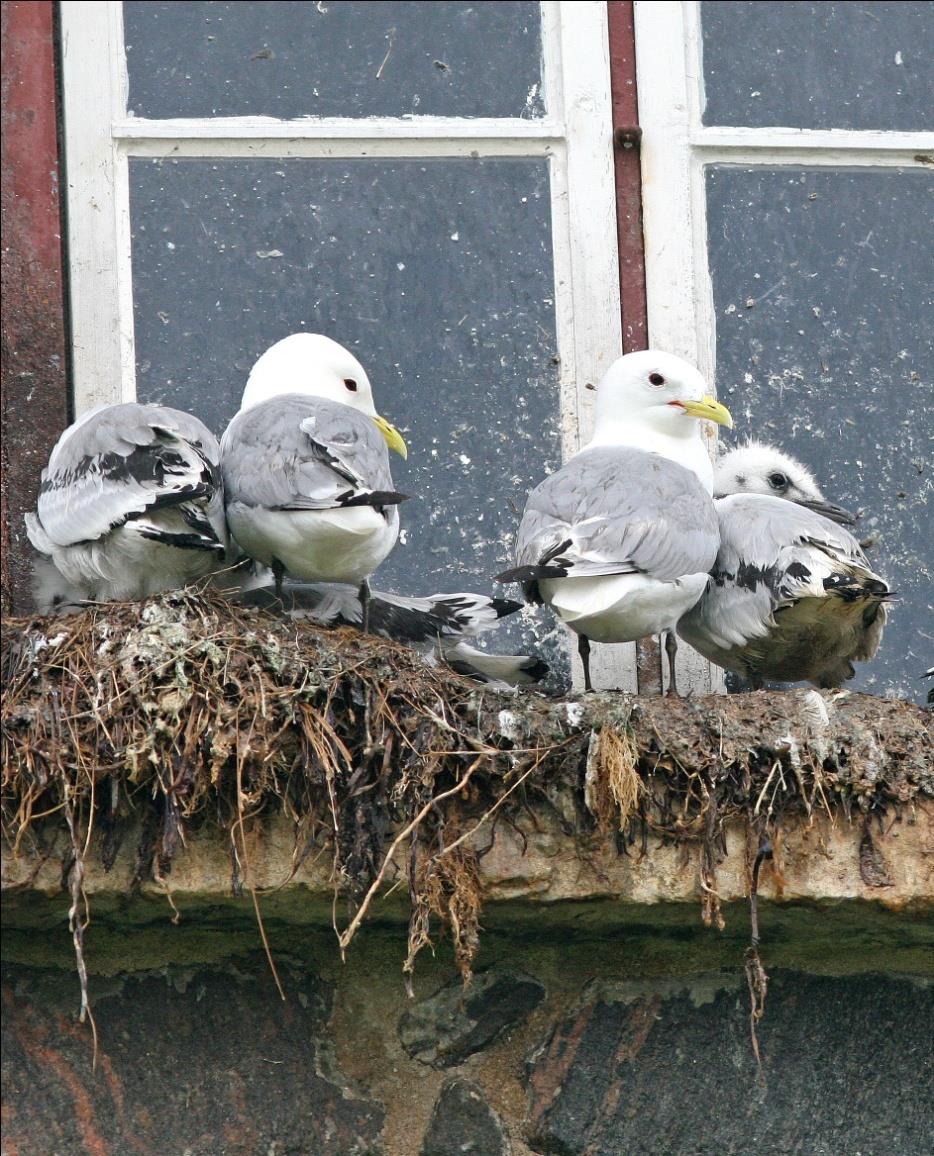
x,y
676,148
576,136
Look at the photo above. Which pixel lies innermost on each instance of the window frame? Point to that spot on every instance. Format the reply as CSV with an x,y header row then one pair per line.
x,y
676,147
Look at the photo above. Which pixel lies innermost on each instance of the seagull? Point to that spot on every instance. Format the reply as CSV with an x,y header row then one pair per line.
x,y
130,504
306,466
620,539
436,627
791,596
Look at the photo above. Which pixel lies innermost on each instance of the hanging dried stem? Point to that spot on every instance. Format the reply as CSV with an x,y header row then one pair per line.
x,y
756,978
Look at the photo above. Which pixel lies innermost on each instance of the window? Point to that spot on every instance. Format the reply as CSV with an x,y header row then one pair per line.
x,y
788,173
430,184
433,184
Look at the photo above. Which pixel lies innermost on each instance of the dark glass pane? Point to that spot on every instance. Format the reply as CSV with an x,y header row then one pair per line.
x,y
333,58
819,65
437,274
824,297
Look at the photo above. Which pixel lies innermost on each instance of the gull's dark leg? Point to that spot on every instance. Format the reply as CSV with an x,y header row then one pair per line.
x,y
583,649
671,649
364,595
278,573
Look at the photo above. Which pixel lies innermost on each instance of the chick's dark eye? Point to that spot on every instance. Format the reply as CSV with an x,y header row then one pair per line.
x,y
351,384
777,481
656,379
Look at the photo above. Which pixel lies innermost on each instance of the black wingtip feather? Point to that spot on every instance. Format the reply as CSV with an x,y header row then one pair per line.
x,y
503,607
373,498
525,574
182,541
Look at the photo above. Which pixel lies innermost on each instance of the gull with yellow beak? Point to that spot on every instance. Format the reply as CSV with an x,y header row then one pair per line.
x,y
306,466
620,540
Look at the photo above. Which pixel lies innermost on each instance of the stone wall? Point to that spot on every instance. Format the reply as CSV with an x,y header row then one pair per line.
x,y
592,1027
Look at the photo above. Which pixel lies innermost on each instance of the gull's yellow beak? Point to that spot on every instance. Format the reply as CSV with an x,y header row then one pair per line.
x,y
708,408
393,438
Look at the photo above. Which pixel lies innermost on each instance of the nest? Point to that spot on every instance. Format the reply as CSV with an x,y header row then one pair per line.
x,y
183,711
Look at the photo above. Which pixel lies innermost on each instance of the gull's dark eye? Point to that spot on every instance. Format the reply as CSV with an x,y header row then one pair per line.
x,y
351,384
777,481
656,379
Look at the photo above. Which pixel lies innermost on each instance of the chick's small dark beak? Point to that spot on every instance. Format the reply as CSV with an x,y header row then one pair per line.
x,y
836,514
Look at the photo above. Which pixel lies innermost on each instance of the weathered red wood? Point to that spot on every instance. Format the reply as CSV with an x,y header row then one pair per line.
x,y
626,135
32,354
628,174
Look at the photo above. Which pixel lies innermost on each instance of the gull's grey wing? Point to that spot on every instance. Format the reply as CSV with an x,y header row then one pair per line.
x,y
777,547
304,453
773,554
616,511
120,462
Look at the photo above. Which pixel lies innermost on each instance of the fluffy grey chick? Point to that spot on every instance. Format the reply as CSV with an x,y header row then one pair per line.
x,y
791,596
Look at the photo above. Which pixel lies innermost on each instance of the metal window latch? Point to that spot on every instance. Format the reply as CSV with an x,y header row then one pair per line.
x,y
628,136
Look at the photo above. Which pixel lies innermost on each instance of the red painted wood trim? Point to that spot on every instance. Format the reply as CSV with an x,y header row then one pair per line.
x,y
628,175
32,354
626,135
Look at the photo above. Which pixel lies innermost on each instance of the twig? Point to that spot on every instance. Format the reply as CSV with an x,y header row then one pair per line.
x,y
248,872
499,802
756,977
77,923
348,933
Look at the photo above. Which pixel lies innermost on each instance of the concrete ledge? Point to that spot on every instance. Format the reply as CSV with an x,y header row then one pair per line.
x,y
534,861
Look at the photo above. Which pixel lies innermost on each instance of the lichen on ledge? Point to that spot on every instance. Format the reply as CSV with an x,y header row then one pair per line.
x,y
192,750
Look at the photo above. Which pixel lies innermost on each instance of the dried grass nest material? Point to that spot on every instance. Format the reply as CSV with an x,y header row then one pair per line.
x,y
184,711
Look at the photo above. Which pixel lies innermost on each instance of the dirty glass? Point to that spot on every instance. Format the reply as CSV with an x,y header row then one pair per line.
x,y
824,300
819,65
436,273
334,58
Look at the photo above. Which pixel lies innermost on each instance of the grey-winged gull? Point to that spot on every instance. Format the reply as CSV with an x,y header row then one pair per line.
x,y
306,466
130,504
437,627
620,539
791,596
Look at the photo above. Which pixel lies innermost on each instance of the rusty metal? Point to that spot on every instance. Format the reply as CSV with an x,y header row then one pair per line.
x,y
32,356
627,136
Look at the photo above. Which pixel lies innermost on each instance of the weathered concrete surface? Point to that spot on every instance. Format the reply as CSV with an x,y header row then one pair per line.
x,y
539,860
